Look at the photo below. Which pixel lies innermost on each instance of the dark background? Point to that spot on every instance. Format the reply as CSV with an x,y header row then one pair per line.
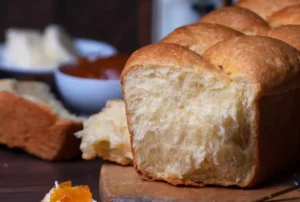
x,y
126,24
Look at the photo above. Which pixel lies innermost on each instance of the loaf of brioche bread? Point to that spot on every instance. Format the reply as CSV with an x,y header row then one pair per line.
x,y
287,33
266,8
287,16
228,119
33,120
201,36
240,19
106,135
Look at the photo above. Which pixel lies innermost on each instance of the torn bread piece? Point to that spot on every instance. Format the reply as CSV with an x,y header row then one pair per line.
x,y
220,121
32,119
106,135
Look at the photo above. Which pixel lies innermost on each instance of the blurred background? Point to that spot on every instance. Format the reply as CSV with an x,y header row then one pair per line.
x,y
127,25
99,35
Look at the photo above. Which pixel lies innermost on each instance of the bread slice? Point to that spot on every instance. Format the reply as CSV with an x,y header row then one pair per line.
x,y
200,36
232,122
265,8
240,19
106,135
287,33
287,16
33,120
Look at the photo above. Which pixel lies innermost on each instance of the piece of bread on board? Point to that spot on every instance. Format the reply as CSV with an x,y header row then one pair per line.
x,y
265,8
200,36
33,120
231,119
287,16
106,135
240,19
287,33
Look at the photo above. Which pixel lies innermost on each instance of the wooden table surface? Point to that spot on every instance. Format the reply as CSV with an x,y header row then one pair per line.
x,y
24,178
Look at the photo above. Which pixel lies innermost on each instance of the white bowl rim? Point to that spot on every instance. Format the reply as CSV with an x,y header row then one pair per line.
x,y
59,72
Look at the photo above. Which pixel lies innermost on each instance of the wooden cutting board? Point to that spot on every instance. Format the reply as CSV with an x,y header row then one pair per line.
x,y
123,184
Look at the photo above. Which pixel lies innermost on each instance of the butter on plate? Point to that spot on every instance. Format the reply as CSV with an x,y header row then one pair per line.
x,y
28,48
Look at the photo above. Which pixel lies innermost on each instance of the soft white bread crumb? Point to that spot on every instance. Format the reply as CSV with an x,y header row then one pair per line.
x,y
106,134
37,92
195,129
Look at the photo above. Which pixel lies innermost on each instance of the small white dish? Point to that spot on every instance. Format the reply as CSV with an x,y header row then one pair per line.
x,y
86,96
85,48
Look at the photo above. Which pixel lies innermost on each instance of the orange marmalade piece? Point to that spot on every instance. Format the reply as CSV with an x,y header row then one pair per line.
x,y
66,193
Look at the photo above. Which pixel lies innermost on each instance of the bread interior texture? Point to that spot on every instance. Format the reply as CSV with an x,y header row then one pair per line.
x,y
191,126
37,92
106,134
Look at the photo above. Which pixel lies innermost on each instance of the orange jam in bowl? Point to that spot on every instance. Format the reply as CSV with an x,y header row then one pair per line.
x,y
109,68
66,193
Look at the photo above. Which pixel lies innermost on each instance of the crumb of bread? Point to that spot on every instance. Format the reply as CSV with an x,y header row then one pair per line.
x,y
106,134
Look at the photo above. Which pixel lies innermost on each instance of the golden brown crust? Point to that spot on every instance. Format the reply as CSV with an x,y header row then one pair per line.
x,y
287,16
199,37
36,129
265,8
271,63
276,70
288,33
168,55
284,111
240,19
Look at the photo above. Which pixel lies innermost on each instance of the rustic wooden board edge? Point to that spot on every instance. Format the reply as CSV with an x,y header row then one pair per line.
x,y
123,184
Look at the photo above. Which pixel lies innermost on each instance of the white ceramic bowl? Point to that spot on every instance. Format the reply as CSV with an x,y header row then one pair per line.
x,y
86,96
